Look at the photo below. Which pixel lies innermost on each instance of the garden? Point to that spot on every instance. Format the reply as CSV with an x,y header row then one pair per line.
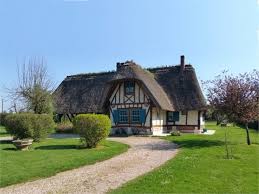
x,y
48,156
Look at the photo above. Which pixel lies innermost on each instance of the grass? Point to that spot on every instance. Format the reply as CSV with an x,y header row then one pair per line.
x,y
3,132
50,157
201,166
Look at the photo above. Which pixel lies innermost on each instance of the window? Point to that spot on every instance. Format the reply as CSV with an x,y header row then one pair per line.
x,y
170,116
123,116
135,115
129,87
173,116
126,116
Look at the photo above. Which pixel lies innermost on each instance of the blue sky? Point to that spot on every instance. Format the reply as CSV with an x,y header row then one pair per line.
x,y
92,35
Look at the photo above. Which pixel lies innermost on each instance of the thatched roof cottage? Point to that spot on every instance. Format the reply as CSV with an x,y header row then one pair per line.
x,y
154,100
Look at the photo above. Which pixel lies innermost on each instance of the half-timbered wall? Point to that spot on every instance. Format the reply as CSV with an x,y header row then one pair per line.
x,y
139,99
155,119
190,119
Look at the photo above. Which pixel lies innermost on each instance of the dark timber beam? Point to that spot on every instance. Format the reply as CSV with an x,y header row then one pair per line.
x,y
69,118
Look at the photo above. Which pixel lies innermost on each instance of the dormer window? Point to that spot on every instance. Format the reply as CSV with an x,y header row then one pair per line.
x,y
129,87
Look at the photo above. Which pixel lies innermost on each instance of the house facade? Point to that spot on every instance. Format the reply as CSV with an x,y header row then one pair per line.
x,y
138,101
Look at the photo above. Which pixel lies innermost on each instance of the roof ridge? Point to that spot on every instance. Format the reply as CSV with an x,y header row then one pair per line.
x,y
162,67
91,74
168,67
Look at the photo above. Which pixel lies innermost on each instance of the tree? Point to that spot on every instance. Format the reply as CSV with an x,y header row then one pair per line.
x,y
236,97
34,87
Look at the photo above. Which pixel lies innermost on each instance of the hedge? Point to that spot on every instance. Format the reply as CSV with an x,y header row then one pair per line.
x,y
2,118
92,128
29,125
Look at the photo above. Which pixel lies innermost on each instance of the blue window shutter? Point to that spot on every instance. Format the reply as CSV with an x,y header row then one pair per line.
x,y
176,116
142,115
116,116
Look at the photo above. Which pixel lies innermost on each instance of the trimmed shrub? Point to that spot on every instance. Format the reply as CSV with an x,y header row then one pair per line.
x,y
64,127
29,125
19,125
92,128
43,125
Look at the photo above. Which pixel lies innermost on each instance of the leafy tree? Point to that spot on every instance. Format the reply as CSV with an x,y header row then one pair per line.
x,y
34,87
236,97
212,114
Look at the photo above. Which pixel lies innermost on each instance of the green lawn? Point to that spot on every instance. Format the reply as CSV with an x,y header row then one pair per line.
x,y
201,167
50,157
3,132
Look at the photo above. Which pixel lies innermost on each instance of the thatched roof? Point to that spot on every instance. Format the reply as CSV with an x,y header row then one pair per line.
x,y
182,89
168,87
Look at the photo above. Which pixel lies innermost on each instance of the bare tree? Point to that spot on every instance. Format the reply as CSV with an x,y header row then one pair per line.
x,y
34,87
236,97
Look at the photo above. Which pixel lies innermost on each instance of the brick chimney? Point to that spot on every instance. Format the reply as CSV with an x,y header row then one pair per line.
x,y
124,64
119,65
182,64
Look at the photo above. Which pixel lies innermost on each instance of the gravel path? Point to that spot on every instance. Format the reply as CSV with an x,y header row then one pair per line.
x,y
145,154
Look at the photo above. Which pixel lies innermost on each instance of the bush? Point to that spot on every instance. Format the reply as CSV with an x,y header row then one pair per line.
x,y
3,118
64,127
43,125
175,133
92,128
28,125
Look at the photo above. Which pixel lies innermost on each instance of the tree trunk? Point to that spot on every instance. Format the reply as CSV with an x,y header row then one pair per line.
x,y
226,144
247,135
218,122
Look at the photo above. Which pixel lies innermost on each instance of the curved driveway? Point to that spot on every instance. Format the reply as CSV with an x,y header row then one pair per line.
x,y
145,154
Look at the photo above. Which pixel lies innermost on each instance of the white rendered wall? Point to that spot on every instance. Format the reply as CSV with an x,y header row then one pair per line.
x,y
158,120
192,117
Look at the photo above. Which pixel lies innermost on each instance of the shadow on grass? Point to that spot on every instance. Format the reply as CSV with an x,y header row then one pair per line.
x,y
6,141
191,143
57,147
10,149
4,133
49,147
